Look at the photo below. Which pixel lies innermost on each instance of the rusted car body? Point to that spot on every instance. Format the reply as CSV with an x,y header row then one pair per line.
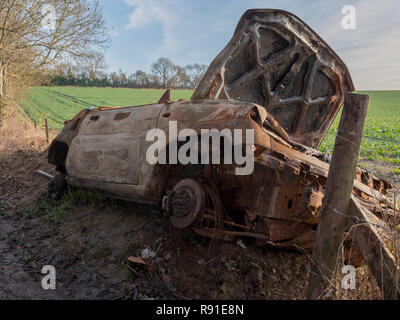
x,y
277,77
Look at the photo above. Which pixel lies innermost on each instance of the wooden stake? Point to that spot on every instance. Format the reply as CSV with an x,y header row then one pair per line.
x,y
47,130
371,242
330,231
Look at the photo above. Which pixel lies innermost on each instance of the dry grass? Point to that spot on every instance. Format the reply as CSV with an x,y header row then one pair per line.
x,y
18,132
389,234
393,221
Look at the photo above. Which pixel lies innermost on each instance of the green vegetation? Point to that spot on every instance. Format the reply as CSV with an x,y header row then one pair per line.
x,y
54,209
383,121
63,103
77,196
51,209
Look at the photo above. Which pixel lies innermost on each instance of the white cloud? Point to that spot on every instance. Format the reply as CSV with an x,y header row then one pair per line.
x,y
192,31
163,13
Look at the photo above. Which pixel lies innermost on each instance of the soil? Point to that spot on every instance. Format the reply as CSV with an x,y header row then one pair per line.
x,y
90,242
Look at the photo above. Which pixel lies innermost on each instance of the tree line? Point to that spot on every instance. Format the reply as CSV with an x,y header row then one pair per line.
x,y
164,74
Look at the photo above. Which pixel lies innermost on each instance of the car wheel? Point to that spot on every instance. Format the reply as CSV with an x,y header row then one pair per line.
x,y
58,185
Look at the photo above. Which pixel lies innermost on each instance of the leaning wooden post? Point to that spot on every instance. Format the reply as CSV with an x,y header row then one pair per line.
x,y
342,170
47,130
372,244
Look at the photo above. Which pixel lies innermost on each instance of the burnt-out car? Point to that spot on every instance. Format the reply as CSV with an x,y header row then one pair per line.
x,y
276,77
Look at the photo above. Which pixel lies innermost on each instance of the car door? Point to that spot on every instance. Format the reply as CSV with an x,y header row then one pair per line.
x,y
111,144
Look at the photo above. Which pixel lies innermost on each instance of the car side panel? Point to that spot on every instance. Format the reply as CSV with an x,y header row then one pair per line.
x,y
111,145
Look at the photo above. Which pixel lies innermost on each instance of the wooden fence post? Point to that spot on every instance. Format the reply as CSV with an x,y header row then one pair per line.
x,y
47,130
342,170
35,124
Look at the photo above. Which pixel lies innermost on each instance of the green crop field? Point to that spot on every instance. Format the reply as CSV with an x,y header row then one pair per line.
x,y
62,103
383,122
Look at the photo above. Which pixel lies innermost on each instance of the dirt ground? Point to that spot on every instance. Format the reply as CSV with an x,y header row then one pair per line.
x,y
89,243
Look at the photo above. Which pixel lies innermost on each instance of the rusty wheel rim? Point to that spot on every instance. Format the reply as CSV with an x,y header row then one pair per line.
x,y
186,203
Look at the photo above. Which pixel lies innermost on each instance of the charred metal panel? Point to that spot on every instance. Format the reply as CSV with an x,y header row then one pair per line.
x,y
275,60
132,120
105,158
203,111
109,146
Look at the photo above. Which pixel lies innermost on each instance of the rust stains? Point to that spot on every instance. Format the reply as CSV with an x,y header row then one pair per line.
x,y
121,115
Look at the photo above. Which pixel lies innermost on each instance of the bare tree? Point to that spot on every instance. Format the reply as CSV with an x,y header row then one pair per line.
x,y
93,66
179,78
164,69
195,72
38,33
142,79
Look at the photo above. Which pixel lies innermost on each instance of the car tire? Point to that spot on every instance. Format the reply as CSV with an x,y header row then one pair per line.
x,y
58,186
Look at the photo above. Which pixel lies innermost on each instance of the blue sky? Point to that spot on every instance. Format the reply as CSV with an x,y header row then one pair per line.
x,y
189,31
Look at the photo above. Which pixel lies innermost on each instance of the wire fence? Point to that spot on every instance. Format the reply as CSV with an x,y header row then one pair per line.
x,y
395,191
368,137
387,226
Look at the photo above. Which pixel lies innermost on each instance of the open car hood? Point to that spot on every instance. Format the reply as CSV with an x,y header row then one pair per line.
x,y
275,60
